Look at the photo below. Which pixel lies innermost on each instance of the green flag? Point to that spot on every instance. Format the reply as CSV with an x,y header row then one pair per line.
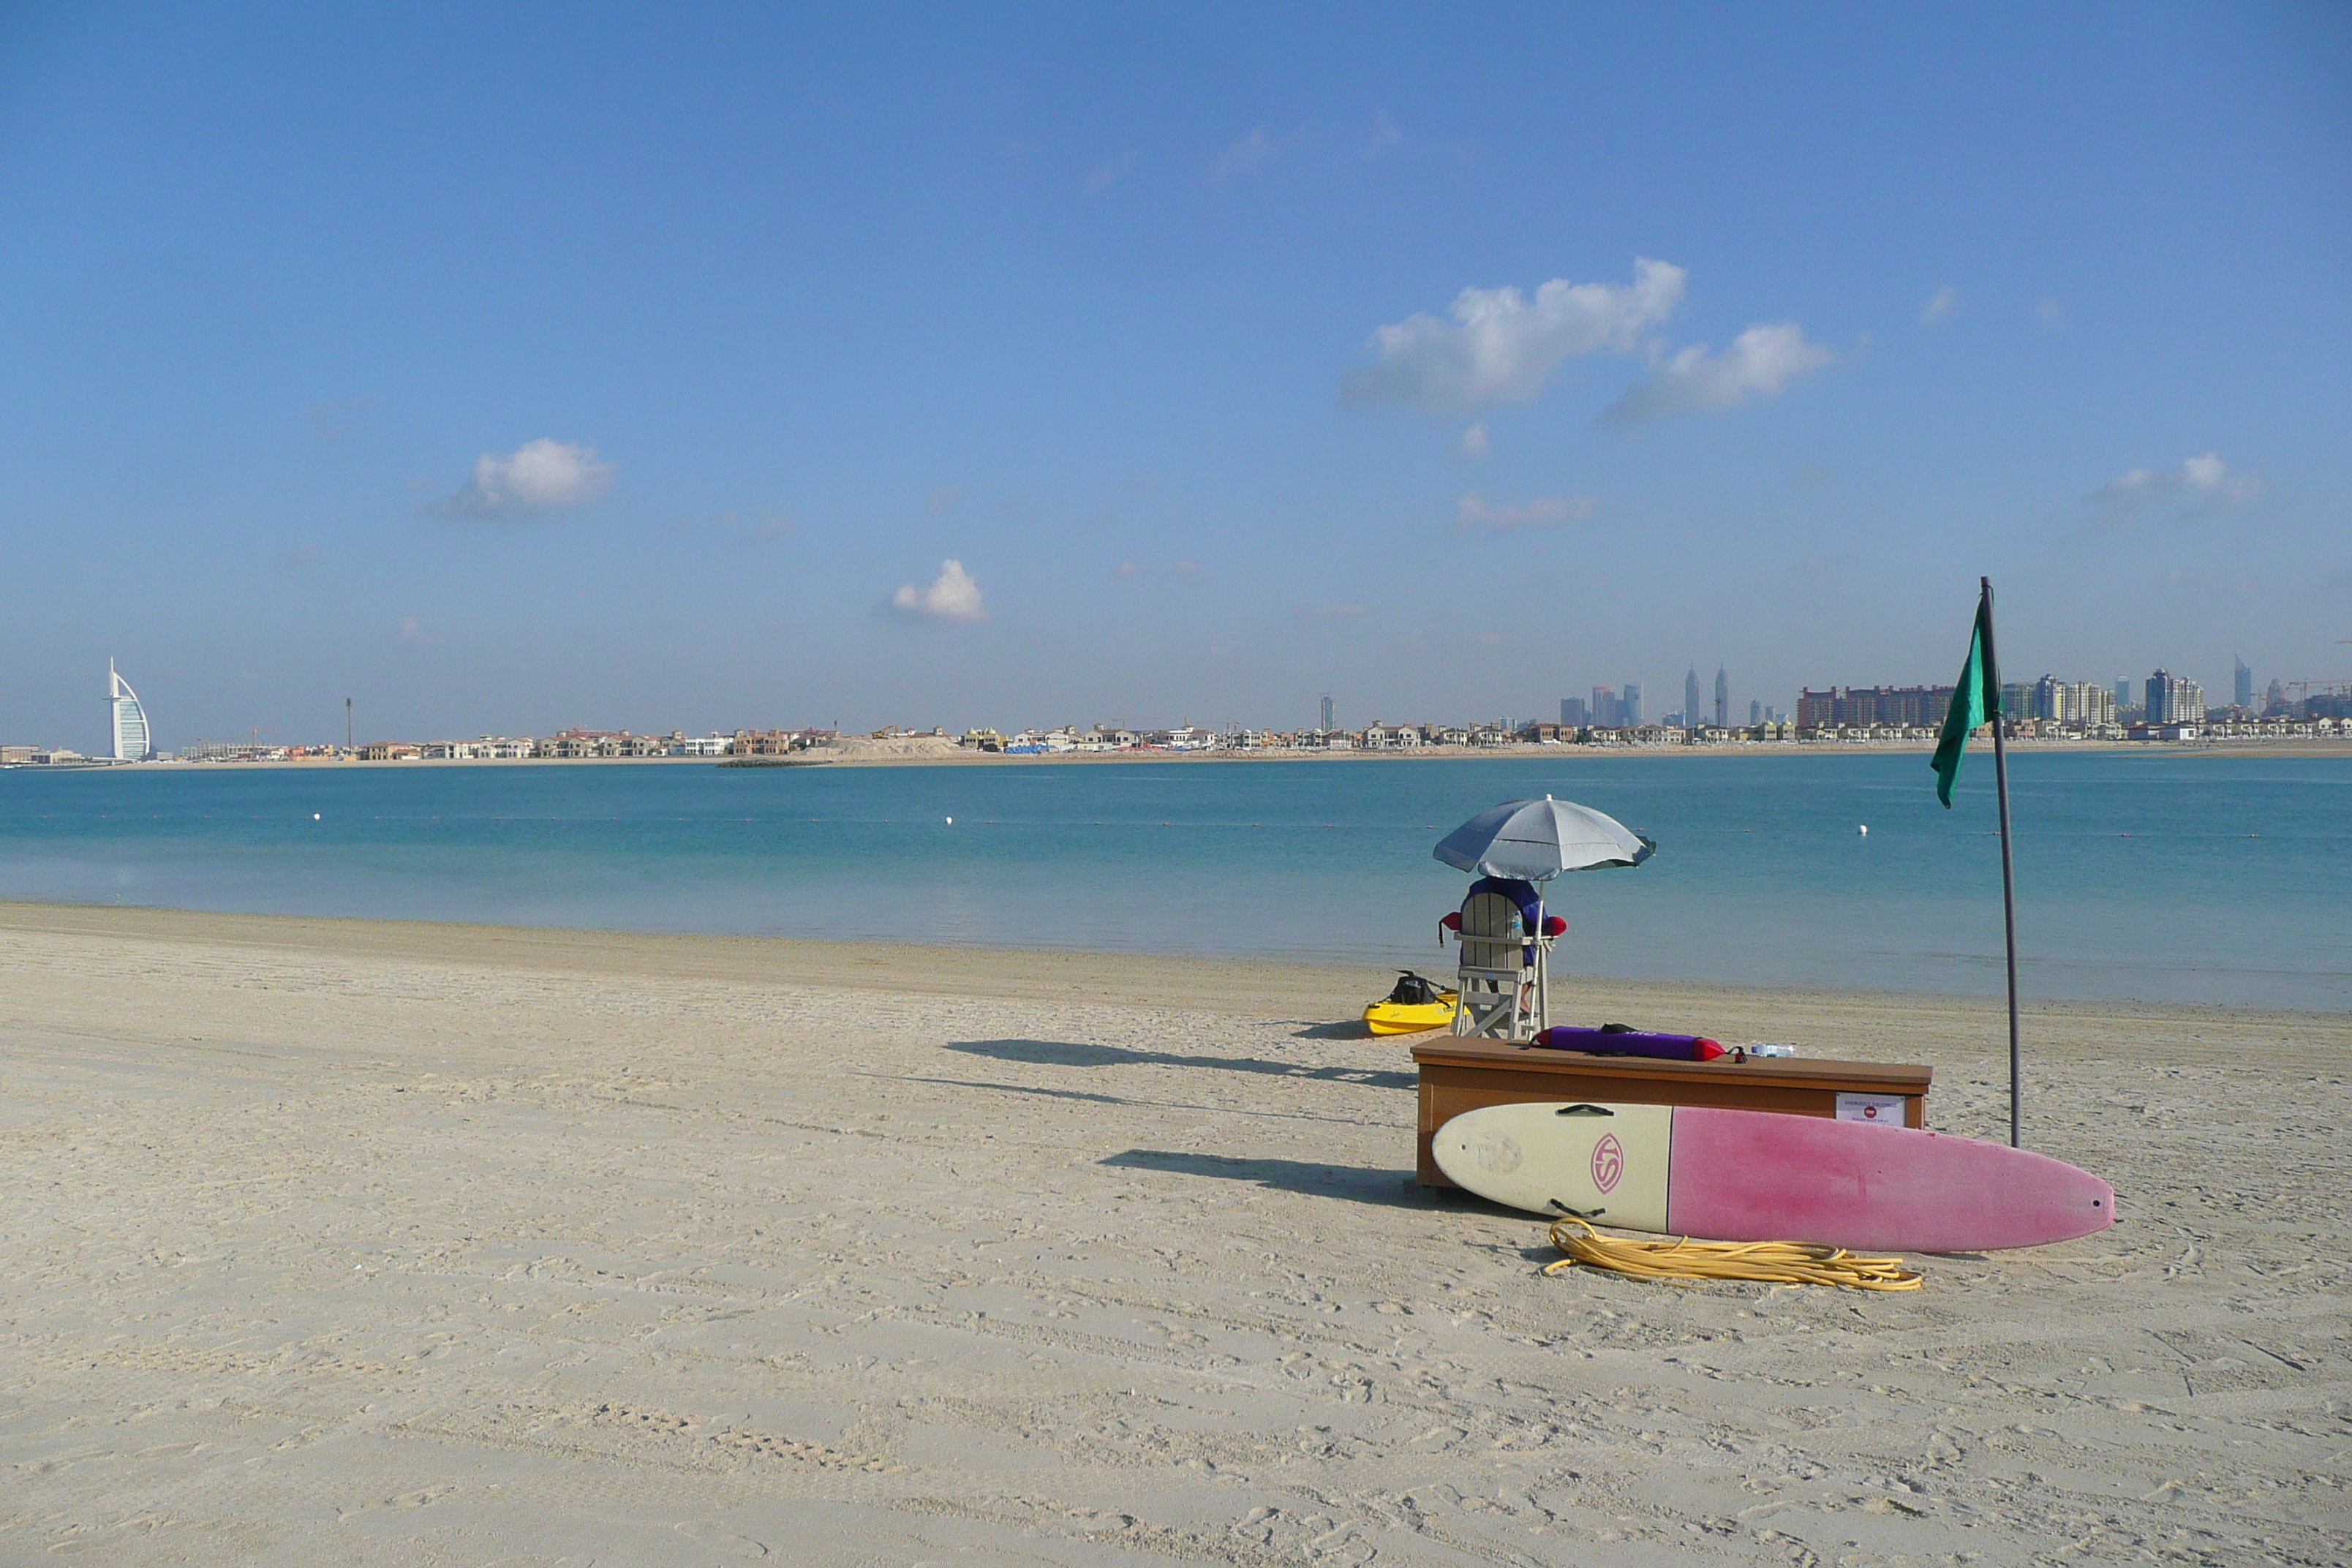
x,y
1976,701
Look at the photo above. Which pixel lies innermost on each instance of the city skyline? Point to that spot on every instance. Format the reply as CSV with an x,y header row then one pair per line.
x,y
2162,698
1159,364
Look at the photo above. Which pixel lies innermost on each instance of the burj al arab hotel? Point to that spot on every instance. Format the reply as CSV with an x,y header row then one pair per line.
x,y
131,741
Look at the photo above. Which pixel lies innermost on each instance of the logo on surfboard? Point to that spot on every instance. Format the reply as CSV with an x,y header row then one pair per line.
x,y
1608,1162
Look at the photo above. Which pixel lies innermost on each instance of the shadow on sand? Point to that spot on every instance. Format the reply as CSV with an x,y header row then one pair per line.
x,y
1072,1054
1350,1183
1346,1030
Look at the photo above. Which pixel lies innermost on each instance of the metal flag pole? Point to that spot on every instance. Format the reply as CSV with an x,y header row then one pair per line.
x,y
2007,869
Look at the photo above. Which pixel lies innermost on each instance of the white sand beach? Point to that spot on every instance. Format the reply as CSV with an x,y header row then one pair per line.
x,y
335,1242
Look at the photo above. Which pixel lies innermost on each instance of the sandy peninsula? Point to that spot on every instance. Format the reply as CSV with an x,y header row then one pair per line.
x,y
335,1242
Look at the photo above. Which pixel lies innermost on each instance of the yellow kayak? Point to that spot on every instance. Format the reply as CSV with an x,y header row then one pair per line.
x,y
1410,1018
1416,1006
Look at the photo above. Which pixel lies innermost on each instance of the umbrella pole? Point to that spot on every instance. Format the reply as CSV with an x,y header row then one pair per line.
x,y
1543,970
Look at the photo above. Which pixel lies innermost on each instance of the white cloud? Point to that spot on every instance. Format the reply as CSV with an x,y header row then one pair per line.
x,y
537,476
1474,511
1945,300
1474,443
1502,347
1244,155
953,596
1760,362
2199,486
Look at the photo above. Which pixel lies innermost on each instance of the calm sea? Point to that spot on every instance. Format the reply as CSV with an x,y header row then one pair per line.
x,y
2155,876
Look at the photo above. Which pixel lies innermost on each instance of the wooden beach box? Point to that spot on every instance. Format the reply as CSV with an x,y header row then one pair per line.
x,y
1459,1075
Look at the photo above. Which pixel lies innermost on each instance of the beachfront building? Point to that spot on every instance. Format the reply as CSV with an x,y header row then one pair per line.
x,y
1872,707
132,741
1380,737
2070,705
781,742
2174,699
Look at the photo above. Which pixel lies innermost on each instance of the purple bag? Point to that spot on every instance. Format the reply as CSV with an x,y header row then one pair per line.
x,y
1623,1042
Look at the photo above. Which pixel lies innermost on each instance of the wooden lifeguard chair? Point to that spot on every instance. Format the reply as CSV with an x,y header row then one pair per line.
x,y
1504,976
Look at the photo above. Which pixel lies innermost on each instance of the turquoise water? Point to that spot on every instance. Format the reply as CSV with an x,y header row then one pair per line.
x,y
2167,877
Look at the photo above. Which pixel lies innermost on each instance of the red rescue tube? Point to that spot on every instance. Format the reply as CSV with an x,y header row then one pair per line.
x,y
1628,1043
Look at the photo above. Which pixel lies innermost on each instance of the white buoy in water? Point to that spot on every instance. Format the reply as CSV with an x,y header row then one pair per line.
x,y
951,822
1865,830
314,817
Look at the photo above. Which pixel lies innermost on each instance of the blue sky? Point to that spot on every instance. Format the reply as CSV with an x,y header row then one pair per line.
x,y
509,367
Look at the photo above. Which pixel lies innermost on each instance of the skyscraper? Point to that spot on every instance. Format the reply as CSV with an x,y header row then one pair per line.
x,y
131,739
1722,699
1754,710
1573,712
2241,690
1605,707
1628,711
1327,713
1690,699
2123,695
2174,699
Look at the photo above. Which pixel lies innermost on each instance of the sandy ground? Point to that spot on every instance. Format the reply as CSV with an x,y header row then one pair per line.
x,y
328,1242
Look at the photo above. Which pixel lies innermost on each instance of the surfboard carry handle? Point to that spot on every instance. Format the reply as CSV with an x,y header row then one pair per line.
x,y
1577,1214
1584,1111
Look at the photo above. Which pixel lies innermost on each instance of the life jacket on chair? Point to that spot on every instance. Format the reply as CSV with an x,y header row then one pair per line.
x,y
1524,897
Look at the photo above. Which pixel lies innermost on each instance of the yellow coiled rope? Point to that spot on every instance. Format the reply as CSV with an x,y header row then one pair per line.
x,y
1780,1262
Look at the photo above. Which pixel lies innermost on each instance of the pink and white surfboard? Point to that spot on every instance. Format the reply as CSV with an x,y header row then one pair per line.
x,y
1753,1175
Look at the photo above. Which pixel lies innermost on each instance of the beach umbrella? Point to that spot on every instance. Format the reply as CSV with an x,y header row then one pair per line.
x,y
1534,840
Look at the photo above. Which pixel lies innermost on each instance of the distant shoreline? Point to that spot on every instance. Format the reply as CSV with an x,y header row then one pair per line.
x,y
965,757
